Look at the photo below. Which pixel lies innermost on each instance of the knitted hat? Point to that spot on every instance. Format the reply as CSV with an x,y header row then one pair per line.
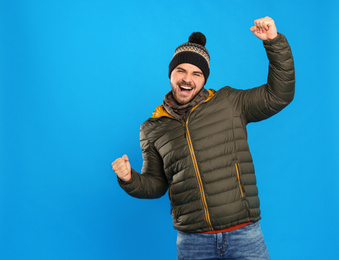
x,y
192,52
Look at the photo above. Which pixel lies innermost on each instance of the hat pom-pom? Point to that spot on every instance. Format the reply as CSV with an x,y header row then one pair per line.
x,y
197,37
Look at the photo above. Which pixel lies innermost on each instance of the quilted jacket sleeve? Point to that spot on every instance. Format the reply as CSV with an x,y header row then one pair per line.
x,y
262,102
151,183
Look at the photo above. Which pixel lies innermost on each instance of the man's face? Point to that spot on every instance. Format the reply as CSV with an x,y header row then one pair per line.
x,y
186,81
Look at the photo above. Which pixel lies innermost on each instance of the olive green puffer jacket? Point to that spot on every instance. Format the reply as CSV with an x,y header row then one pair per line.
x,y
206,163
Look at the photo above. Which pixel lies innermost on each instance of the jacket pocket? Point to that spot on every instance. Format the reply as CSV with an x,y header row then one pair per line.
x,y
237,167
172,204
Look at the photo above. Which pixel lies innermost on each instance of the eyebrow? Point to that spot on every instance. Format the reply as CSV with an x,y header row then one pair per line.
x,y
195,71
180,68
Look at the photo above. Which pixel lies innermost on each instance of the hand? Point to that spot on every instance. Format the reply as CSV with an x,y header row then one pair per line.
x,y
122,168
265,29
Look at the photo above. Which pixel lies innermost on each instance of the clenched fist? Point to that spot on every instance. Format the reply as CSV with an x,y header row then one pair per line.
x,y
265,29
122,168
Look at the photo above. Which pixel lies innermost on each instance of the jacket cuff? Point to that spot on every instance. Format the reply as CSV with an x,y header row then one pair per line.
x,y
275,40
123,183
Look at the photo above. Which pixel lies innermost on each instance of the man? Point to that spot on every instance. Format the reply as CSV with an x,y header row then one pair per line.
x,y
195,146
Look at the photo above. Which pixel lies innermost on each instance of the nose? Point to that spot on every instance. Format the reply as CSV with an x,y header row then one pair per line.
x,y
187,79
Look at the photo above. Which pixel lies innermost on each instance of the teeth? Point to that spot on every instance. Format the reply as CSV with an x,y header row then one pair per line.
x,y
188,88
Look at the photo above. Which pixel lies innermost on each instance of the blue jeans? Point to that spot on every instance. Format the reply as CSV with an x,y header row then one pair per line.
x,y
245,243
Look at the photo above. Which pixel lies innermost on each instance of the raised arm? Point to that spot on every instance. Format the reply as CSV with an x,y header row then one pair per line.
x,y
262,102
151,183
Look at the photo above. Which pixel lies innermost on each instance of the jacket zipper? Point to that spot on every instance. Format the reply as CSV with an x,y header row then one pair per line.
x,y
197,173
237,167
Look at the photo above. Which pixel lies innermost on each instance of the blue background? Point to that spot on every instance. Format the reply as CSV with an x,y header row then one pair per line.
x,y
78,78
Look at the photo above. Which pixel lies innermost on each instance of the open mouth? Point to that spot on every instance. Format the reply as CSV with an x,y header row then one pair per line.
x,y
185,89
